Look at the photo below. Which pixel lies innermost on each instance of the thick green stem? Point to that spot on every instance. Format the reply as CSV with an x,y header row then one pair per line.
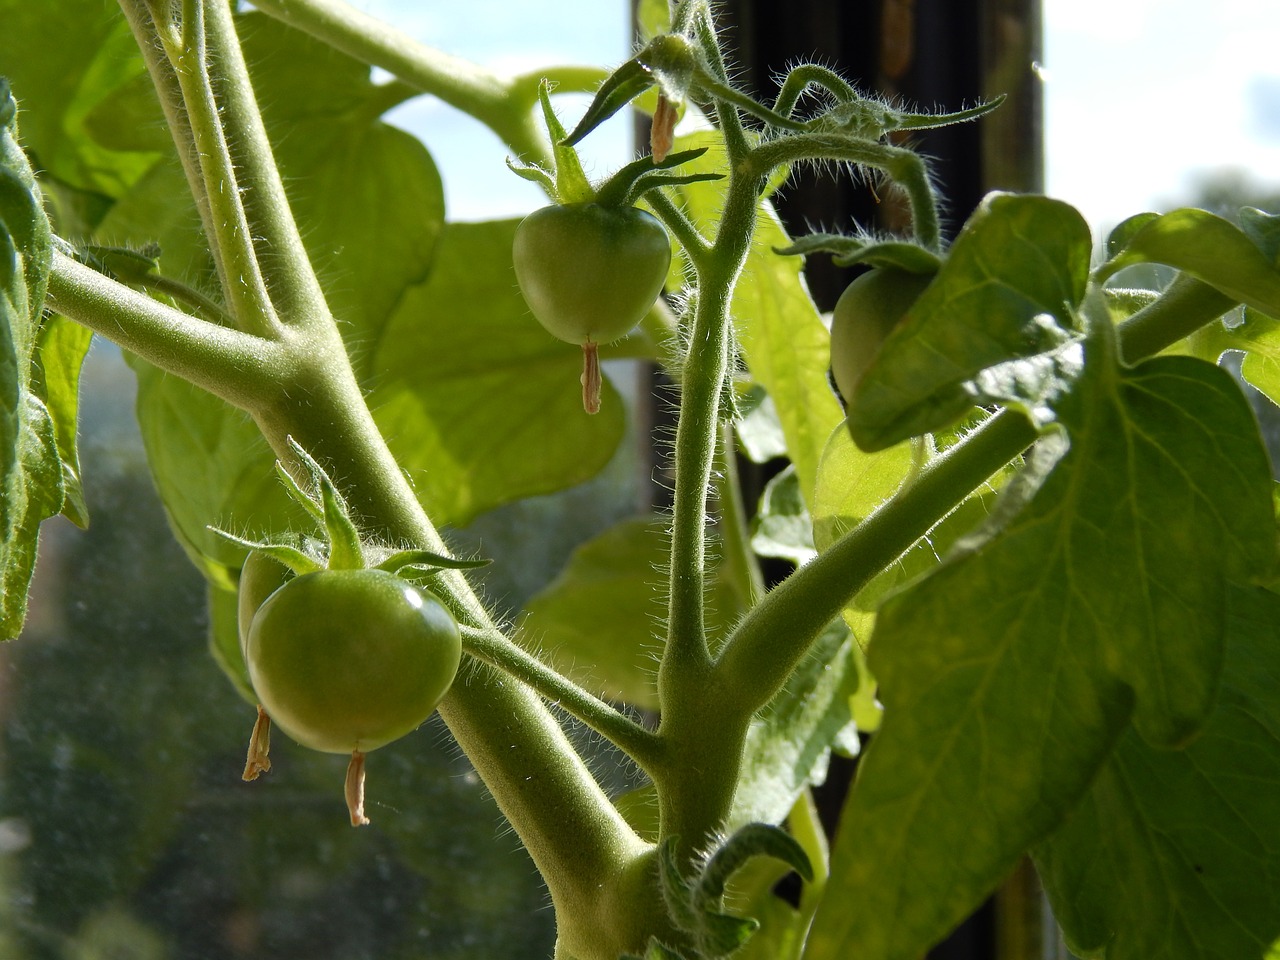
x,y
169,92
292,278
574,834
300,385
695,798
243,369
774,637
243,283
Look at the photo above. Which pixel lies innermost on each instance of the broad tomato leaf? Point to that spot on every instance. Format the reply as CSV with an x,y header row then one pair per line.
x,y
212,467
1173,854
1208,248
62,348
1006,290
789,744
478,402
63,85
1096,596
782,338
782,527
30,472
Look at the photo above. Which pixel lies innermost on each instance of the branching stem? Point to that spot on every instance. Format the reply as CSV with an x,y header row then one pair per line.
x,y
494,648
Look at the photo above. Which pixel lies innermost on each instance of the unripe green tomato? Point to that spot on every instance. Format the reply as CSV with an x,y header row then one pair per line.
x,y
590,273
349,660
868,310
260,577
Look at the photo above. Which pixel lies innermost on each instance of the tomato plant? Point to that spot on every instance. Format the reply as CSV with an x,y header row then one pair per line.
x,y
1035,568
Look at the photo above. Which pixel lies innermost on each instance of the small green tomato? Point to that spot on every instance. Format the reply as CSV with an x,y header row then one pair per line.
x,y
345,661
868,310
589,273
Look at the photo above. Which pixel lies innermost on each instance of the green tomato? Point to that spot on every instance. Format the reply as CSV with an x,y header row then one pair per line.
x,y
345,661
590,273
260,577
866,313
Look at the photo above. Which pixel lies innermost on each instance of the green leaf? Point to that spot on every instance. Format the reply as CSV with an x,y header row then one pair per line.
x,y
653,18
1208,248
211,466
64,83
1096,596
789,743
1264,230
62,347
478,402
31,482
782,527
759,428
224,641
852,484
1006,290
600,621
1174,853
779,331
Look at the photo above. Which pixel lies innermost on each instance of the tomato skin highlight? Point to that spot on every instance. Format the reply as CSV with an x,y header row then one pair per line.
x,y
589,272
866,313
349,660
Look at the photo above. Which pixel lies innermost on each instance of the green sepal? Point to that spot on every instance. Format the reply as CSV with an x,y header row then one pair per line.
x,y
571,183
345,551
847,251
534,174
722,934
668,61
620,88
296,559
931,121
625,186
302,497
426,559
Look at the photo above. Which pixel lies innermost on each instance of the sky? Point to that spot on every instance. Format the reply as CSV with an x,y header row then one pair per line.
x,y
1140,95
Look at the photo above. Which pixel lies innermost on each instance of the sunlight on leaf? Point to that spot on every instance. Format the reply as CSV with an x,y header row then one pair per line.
x,y
1175,853
1006,290
1096,595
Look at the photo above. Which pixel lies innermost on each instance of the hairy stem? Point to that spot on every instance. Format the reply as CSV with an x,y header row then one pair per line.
x,y
905,167
494,648
293,280
244,285
243,369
